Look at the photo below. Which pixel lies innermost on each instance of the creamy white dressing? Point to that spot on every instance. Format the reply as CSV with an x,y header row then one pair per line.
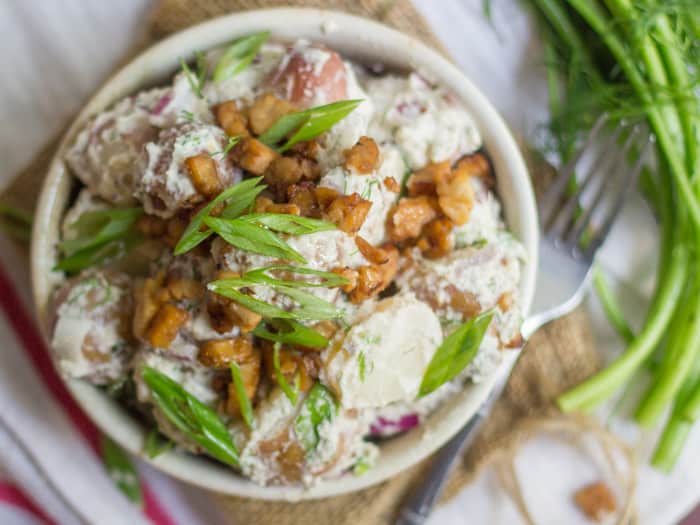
x,y
423,120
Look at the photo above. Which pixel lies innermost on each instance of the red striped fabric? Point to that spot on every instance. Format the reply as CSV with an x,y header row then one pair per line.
x,y
11,495
31,340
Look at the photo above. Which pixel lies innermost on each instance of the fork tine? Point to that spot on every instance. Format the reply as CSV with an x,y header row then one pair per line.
x,y
550,199
566,215
629,181
618,166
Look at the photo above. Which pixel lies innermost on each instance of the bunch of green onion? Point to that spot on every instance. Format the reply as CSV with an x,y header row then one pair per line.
x,y
640,60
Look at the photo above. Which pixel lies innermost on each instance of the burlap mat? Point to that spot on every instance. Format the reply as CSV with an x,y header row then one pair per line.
x,y
557,357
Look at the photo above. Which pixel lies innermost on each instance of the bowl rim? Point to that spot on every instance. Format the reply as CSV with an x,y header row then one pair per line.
x,y
352,36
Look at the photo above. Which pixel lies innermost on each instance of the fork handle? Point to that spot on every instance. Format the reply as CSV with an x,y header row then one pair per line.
x,y
417,509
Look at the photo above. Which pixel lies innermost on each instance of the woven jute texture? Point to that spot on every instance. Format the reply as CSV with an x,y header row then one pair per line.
x,y
557,357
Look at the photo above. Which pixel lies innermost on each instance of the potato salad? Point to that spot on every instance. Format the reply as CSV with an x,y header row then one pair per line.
x,y
282,258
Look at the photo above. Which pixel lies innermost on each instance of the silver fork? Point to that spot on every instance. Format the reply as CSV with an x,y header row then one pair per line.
x,y
567,248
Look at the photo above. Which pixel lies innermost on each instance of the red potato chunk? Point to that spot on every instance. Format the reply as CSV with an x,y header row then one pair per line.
x,y
90,330
311,76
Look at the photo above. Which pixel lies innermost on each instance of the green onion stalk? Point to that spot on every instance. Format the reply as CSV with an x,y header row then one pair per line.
x,y
641,59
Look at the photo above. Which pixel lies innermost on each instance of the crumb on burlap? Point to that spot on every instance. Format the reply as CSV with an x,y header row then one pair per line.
x,y
595,500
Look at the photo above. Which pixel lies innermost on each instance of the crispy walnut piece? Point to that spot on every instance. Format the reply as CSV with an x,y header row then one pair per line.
x,y
219,353
348,212
266,110
231,120
423,181
436,240
375,278
406,219
203,175
595,500
165,325
253,156
363,157
455,195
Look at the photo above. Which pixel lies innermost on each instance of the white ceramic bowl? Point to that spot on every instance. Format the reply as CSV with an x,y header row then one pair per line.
x,y
364,41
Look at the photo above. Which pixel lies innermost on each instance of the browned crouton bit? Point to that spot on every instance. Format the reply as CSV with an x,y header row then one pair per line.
x,y
595,500
391,185
231,120
423,181
203,175
436,240
163,328
286,171
150,226
267,205
348,212
406,219
363,157
455,195
250,375
371,253
303,196
267,110
375,278
350,275
253,156
464,302
477,165
220,352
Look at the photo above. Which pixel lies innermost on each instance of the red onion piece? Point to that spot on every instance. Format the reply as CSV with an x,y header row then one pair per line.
x,y
387,427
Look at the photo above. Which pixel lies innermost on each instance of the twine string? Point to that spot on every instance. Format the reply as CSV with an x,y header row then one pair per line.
x,y
572,428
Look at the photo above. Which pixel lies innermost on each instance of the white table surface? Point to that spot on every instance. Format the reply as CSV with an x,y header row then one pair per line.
x,y
56,52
